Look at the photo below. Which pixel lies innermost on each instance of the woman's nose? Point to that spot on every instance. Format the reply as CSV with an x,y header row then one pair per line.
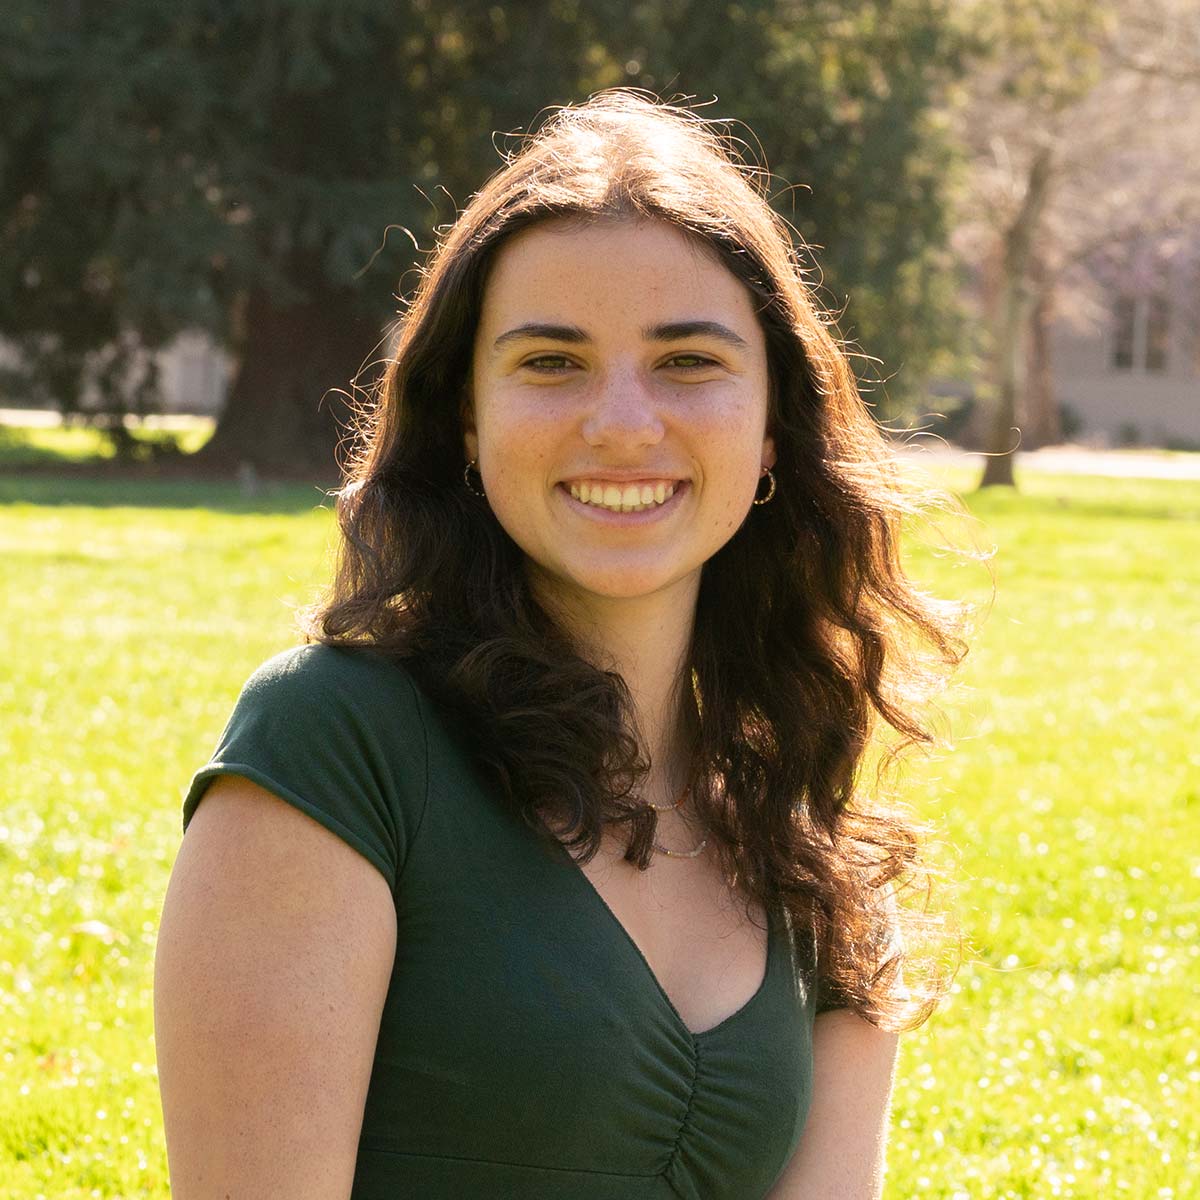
x,y
622,412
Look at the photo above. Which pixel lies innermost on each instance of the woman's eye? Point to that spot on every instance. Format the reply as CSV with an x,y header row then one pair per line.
x,y
548,364
689,362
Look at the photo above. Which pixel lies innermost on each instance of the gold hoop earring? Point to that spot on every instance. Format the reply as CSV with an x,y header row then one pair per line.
x,y
467,479
771,490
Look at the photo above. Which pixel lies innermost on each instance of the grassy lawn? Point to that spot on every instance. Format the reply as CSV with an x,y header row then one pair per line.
x,y
1063,1065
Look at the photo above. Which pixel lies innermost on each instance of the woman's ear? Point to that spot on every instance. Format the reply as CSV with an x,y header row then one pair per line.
x,y
768,451
470,435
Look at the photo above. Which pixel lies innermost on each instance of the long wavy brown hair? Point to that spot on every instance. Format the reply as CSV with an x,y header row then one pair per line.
x,y
809,638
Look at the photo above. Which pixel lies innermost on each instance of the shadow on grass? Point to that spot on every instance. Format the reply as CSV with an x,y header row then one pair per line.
x,y
129,490
76,465
1091,497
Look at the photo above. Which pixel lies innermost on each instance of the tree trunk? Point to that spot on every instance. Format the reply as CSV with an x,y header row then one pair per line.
x,y
1042,425
1016,307
288,405
998,459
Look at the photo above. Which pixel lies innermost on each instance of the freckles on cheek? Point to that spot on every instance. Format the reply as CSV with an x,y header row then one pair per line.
x,y
519,453
526,426
727,520
507,435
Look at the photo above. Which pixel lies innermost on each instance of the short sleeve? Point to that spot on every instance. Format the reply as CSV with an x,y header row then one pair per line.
x,y
340,735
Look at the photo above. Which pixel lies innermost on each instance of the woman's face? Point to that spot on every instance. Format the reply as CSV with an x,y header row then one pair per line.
x,y
623,358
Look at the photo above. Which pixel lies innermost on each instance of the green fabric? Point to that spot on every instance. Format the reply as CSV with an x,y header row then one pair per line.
x,y
526,1049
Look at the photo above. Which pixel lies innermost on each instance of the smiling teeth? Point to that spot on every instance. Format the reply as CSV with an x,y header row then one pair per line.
x,y
631,498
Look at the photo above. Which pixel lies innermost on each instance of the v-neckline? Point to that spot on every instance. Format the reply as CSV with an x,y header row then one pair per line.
x,y
648,970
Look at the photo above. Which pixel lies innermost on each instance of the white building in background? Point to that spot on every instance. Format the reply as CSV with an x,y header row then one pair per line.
x,y
1128,366
194,375
1124,351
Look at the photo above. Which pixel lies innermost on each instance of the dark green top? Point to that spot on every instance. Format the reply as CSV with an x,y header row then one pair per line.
x,y
526,1049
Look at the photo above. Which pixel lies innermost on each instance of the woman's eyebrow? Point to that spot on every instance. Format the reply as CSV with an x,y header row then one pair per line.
x,y
535,329
680,330
668,332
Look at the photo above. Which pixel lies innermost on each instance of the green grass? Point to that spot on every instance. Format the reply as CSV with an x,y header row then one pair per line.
x,y
1064,1063
131,621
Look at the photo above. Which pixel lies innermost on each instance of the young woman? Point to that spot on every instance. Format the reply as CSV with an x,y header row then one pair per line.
x,y
542,870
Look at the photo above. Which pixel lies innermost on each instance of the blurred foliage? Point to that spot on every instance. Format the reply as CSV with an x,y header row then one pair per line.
x,y
254,170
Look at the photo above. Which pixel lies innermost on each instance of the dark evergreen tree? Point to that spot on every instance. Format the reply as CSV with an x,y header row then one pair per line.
x,y
255,170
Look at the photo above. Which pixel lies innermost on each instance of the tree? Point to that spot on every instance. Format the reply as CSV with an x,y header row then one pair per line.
x,y
233,168
849,102
1072,150
263,173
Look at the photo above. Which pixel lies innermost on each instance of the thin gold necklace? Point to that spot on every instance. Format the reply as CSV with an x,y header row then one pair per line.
x,y
661,849
687,787
681,853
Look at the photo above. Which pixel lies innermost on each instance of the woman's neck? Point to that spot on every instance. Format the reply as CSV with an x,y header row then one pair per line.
x,y
647,641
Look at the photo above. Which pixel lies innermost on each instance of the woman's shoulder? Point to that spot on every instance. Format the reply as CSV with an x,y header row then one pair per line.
x,y
354,696
321,663
338,732
335,678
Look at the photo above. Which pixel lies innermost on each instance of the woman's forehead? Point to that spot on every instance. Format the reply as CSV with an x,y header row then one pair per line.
x,y
611,269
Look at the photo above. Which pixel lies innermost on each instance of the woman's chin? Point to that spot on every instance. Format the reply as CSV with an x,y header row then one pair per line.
x,y
615,582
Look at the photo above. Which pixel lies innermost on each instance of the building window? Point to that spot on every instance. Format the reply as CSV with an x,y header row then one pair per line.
x,y
1157,331
1124,315
1141,332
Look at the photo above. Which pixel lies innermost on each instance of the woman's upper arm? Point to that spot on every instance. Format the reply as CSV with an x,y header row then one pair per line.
x,y
841,1151
274,953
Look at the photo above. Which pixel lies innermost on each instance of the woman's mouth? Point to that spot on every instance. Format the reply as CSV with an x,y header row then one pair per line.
x,y
630,503
629,497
